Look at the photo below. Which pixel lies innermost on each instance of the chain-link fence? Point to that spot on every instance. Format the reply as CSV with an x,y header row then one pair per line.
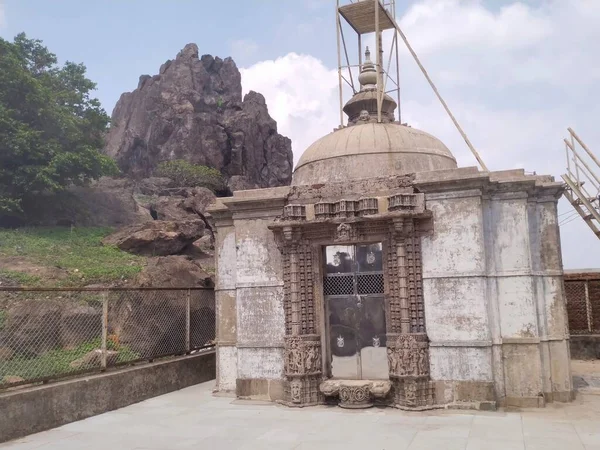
x,y
583,305
52,333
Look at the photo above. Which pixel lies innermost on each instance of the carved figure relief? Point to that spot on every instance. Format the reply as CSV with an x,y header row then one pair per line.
x,y
408,357
296,390
343,232
302,355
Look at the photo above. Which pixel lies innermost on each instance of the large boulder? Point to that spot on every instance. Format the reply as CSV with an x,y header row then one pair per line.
x,y
33,327
94,359
157,238
193,110
173,271
108,202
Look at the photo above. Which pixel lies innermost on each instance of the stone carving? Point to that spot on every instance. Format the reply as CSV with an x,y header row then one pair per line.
x,y
410,395
296,389
415,393
355,394
407,357
294,212
344,233
302,355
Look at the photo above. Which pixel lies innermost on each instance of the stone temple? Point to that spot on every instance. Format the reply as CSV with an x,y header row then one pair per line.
x,y
388,275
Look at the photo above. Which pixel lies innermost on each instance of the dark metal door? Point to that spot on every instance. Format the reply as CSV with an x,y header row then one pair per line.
x,y
353,289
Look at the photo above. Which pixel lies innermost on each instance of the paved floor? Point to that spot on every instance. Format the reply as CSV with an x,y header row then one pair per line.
x,y
193,419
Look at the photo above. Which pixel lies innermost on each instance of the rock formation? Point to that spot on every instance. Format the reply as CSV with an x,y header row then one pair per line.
x,y
193,110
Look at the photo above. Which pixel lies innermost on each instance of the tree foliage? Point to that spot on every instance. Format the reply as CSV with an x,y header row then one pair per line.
x,y
51,129
186,174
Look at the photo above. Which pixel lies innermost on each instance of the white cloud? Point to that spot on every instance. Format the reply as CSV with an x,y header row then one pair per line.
x,y
515,77
301,94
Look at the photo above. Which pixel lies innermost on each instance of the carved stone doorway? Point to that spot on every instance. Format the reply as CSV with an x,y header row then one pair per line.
x,y
353,290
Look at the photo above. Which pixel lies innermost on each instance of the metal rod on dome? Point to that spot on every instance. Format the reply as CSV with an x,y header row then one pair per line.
x,y
378,50
339,25
347,60
459,128
398,72
359,52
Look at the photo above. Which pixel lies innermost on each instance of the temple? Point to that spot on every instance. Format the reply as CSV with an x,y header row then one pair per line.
x,y
388,275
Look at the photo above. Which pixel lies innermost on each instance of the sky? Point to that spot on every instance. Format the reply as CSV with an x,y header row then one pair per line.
x,y
516,74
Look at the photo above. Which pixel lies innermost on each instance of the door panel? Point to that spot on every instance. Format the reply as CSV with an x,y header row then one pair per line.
x,y
344,319
353,289
373,352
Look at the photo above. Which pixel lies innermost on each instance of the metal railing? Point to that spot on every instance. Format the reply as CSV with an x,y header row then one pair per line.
x,y
53,333
583,182
583,306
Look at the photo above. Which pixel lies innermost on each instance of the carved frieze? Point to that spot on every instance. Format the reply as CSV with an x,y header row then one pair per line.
x,y
294,212
303,355
408,355
368,206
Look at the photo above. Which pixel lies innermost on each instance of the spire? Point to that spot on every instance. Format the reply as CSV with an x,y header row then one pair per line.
x,y
368,74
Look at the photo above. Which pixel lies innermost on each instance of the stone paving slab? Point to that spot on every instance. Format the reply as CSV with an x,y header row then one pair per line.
x,y
195,419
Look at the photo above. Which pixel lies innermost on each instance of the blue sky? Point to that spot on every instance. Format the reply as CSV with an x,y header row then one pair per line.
x,y
515,73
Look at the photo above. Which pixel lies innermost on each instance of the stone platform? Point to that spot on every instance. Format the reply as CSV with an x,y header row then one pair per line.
x,y
355,394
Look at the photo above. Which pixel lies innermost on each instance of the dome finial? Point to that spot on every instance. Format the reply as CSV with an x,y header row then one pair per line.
x,y
368,74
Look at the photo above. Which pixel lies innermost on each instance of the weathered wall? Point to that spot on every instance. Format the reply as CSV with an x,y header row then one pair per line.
x,y
32,410
455,289
225,302
250,283
493,289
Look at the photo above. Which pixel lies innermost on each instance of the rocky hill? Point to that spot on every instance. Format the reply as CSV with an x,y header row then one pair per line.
x,y
193,110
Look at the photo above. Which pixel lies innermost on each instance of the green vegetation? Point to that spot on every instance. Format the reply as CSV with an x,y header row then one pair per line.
x,y
78,251
57,362
23,279
186,174
51,130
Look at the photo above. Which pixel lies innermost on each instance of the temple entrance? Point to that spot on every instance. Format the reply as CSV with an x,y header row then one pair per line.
x,y
355,311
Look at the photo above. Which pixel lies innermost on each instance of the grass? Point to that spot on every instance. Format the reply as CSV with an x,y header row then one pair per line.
x,y
79,251
23,279
56,362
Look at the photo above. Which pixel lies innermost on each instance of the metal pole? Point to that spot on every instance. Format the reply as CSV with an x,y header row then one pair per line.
x,y
585,147
187,322
398,71
568,157
378,50
339,26
359,53
579,158
458,127
104,330
575,161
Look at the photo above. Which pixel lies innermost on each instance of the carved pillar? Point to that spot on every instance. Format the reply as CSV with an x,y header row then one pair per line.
x,y
407,344
303,354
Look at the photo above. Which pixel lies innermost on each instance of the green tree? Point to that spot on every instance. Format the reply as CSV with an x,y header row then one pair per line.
x,y
186,174
51,129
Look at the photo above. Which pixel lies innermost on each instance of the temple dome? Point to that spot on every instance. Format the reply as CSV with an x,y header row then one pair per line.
x,y
368,148
371,150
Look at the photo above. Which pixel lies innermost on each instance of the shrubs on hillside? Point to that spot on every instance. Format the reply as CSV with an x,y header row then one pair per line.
x,y
186,174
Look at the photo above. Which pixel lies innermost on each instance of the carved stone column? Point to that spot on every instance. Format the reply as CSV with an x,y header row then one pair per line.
x,y
303,354
407,344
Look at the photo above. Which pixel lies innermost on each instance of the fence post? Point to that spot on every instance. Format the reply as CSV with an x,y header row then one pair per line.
x,y
187,322
104,328
588,306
